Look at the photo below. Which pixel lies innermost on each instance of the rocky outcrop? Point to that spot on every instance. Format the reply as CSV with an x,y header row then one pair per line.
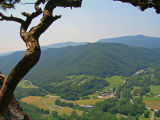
x,y
15,112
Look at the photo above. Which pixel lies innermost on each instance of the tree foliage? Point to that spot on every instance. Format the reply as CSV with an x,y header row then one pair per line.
x,y
144,4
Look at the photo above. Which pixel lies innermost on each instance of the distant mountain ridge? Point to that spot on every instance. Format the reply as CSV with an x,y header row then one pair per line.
x,y
6,53
65,44
138,41
55,45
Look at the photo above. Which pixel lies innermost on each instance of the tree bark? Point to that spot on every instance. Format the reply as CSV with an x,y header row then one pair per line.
x,y
30,58
31,39
14,111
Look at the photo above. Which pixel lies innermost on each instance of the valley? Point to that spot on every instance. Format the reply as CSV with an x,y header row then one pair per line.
x,y
150,99
48,102
89,82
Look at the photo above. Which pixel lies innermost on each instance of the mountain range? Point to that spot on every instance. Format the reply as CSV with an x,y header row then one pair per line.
x,y
138,40
100,59
55,45
63,44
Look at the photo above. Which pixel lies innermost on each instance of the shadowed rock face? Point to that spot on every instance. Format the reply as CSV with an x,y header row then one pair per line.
x,y
15,112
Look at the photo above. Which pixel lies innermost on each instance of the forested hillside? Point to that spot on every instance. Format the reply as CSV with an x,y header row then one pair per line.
x,y
99,59
92,59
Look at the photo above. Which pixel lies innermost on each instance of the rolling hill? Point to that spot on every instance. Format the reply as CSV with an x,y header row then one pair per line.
x,y
99,59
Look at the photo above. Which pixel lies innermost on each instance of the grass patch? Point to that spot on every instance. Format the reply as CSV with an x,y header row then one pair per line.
x,y
88,101
48,103
26,84
152,102
120,116
155,89
151,98
35,100
114,82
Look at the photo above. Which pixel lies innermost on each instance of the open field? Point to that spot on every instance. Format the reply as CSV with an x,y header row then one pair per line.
x,y
47,103
35,100
155,89
120,116
26,84
88,101
151,98
114,82
152,102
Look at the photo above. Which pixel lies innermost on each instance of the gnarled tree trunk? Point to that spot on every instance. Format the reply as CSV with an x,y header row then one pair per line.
x,y
14,110
30,58
32,55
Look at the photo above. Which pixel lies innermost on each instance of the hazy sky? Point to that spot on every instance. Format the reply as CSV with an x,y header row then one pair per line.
x,y
96,19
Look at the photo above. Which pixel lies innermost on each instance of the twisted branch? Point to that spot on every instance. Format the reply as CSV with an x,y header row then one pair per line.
x,y
29,18
144,4
10,18
31,39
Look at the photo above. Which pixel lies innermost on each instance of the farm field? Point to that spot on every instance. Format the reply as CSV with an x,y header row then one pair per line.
x,y
152,102
26,84
88,101
114,82
155,89
151,98
47,103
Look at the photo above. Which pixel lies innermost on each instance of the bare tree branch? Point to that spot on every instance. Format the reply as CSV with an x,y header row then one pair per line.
x,y
10,18
38,3
48,18
144,4
68,3
29,19
2,77
27,3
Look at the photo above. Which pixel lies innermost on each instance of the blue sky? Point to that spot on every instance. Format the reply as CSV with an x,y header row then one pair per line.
x,y
93,21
